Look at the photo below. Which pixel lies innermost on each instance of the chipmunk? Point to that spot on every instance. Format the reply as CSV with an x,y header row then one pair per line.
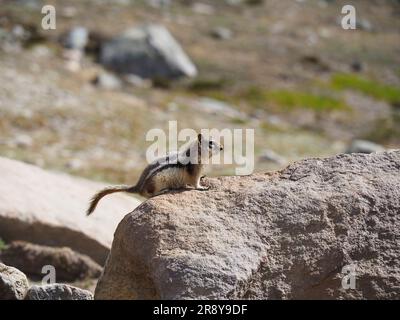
x,y
171,172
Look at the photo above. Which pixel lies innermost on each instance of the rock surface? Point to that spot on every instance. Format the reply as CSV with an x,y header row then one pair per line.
x,y
13,283
49,208
30,259
280,235
57,291
149,51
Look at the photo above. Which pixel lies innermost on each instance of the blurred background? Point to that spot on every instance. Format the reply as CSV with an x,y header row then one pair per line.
x,y
82,97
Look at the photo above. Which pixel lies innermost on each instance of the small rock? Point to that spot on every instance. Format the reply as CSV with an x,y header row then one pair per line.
x,y
313,62
137,81
271,156
19,33
77,38
325,33
69,265
172,107
108,81
73,59
75,164
41,51
217,107
364,146
23,141
13,40
13,283
364,24
222,33
69,12
38,162
57,291
203,8
356,66
277,121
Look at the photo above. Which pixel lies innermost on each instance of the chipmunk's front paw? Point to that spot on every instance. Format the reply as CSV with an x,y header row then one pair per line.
x,y
201,188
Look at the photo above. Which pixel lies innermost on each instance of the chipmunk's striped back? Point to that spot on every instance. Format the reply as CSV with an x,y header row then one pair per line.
x,y
174,171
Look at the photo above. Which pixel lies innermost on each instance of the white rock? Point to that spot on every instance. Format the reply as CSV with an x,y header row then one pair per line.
x,y
137,81
23,141
217,107
222,33
364,146
77,38
269,155
108,81
49,208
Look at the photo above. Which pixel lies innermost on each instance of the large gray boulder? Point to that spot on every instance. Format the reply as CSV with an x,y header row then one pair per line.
x,y
13,283
30,259
57,291
292,234
148,51
49,208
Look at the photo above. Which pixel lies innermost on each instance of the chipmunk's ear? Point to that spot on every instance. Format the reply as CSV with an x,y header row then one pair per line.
x,y
199,137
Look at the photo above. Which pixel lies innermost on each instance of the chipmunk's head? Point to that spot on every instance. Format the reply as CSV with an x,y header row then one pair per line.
x,y
208,146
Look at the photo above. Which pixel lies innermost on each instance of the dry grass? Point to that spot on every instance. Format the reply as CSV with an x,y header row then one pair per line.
x,y
259,71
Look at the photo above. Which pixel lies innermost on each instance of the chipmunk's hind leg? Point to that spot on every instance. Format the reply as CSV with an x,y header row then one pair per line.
x,y
168,190
161,192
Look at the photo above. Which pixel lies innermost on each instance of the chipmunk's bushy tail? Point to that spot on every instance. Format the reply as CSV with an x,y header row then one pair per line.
x,y
97,197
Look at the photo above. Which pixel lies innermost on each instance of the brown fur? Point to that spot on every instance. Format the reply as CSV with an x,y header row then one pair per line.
x,y
159,177
97,197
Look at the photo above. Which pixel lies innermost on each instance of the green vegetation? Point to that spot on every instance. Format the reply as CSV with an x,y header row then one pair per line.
x,y
293,99
285,100
2,244
254,2
343,81
201,85
255,96
238,121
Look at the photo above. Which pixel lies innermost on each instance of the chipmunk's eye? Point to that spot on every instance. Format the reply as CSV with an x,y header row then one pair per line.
x,y
210,144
